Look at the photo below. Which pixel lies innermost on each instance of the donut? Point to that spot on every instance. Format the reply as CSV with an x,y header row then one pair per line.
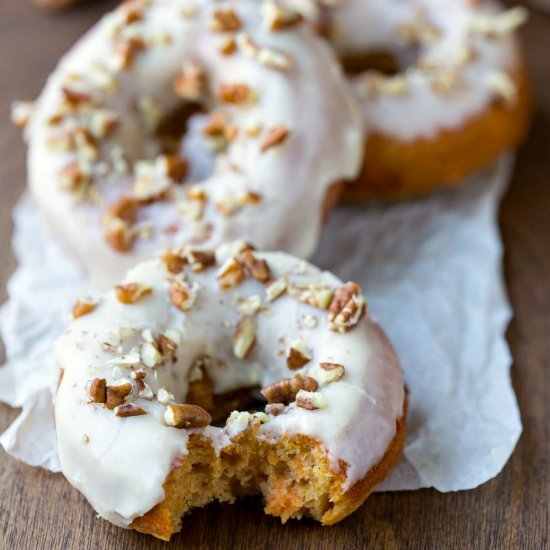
x,y
158,411
442,87
272,131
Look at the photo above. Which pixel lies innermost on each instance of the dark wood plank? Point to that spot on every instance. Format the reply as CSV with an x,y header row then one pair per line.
x,y
41,510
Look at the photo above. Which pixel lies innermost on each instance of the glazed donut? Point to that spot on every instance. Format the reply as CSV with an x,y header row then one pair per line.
x,y
442,87
185,339
275,123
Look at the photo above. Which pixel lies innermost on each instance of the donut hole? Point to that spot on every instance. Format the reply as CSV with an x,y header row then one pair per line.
x,y
220,406
384,60
174,126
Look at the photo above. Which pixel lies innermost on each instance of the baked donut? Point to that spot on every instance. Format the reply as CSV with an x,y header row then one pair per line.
x,y
271,123
187,338
442,87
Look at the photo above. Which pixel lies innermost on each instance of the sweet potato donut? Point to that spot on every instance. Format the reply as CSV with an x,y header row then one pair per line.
x,y
441,84
268,109
186,339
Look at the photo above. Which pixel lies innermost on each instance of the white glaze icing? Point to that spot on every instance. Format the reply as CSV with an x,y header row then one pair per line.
x,y
120,464
310,99
360,26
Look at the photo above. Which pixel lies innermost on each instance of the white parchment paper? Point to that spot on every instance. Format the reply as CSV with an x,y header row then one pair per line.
x,y
431,272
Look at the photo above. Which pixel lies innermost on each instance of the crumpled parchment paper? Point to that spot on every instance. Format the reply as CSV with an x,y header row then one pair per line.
x,y
431,272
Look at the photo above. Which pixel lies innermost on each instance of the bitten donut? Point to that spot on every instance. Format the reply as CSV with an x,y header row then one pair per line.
x,y
442,86
187,339
273,127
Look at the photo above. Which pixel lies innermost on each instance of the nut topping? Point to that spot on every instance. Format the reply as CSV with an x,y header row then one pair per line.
x,y
274,409
175,167
297,355
166,345
332,372
150,355
191,83
346,308
230,274
144,390
182,294
186,417
164,396
244,337
275,288
131,293
255,267
236,94
200,259
250,306
98,390
277,17
315,294
126,51
174,262
21,112
117,394
276,136
82,307
129,409
310,401
285,390
118,221
225,21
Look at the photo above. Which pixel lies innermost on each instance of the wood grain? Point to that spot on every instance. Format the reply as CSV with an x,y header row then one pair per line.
x,y
41,510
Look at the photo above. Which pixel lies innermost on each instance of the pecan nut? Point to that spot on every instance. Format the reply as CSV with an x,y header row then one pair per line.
x,y
285,390
346,308
186,416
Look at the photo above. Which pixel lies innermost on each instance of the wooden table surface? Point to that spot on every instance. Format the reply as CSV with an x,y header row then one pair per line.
x,y
39,510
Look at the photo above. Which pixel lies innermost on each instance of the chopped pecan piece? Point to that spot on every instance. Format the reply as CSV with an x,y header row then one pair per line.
x,y
150,355
129,409
274,59
276,17
75,97
255,267
174,262
200,259
164,396
166,345
117,394
126,51
274,409
275,289
98,390
144,390
175,167
82,307
191,84
315,294
285,390
297,355
225,21
244,337
182,294
118,221
131,293
310,400
332,372
346,308
236,94
230,274
73,178
186,416
21,112
276,136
